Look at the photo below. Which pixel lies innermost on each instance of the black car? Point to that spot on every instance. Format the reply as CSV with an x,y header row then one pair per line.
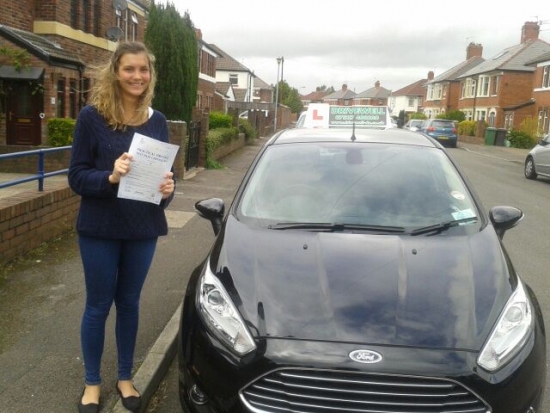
x,y
356,271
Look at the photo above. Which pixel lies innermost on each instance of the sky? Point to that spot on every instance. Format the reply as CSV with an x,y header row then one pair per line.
x,y
359,42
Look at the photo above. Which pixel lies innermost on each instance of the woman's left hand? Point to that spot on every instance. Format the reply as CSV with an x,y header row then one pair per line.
x,y
167,186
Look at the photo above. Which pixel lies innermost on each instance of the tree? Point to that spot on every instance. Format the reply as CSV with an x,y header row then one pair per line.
x,y
172,39
323,88
289,96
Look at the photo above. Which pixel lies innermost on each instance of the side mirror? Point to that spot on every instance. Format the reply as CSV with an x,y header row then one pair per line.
x,y
212,209
504,218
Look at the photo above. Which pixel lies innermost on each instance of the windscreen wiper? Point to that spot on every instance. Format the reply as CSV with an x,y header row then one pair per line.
x,y
334,227
442,226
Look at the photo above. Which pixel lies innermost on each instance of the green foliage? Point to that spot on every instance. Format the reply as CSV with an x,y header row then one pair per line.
x,y
218,120
520,139
18,58
215,139
457,115
171,38
417,115
530,126
290,97
249,132
467,128
60,131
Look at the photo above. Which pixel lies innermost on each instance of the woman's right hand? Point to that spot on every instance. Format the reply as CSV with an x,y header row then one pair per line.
x,y
122,167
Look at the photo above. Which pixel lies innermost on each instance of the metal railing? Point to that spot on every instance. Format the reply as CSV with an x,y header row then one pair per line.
x,y
40,175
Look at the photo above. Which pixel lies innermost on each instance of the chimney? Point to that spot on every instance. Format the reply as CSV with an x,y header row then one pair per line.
x,y
474,50
530,31
430,75
344,87
198,34
377,83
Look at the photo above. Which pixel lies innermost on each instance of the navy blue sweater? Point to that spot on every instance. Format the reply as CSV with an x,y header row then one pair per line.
x,y
95,148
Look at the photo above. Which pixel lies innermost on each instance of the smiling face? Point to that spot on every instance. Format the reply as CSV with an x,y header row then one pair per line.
x,y
133,75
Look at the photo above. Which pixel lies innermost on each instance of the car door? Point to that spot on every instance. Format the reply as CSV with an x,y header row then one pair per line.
x,y
542,160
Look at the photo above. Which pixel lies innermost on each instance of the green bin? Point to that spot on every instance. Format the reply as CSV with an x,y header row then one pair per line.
x,y
490,135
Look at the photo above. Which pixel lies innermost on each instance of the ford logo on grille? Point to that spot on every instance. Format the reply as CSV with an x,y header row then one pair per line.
x,y
365,356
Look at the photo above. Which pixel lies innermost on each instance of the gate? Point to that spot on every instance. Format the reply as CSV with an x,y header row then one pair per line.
x,y
192,159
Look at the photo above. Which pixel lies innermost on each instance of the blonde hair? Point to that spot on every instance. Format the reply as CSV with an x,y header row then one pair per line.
x,y
105,94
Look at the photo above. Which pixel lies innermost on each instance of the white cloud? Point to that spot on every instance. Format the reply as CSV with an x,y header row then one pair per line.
x,y
356,41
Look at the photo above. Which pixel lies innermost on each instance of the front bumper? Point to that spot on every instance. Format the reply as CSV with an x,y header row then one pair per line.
x,y
227,382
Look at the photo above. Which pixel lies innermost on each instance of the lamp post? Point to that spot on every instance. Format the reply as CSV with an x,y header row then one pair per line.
x,y
279,60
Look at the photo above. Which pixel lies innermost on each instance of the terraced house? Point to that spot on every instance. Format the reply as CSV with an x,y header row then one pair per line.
x,y
63,39
504,90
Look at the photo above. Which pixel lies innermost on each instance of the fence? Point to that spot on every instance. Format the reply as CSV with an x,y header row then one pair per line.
x,y
41,174
32,217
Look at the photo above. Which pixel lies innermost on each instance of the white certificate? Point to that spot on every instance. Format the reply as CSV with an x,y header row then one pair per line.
x,y
152,159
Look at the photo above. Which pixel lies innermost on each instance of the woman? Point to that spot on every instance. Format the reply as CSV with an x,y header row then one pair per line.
x,y
117,237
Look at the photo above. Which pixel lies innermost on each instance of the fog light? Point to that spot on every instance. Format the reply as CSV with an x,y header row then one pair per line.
x,y
197,395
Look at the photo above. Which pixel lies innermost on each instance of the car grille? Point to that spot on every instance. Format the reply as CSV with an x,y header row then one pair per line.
x,y
315,391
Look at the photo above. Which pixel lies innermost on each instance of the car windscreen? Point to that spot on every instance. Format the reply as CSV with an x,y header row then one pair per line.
x,y
354,184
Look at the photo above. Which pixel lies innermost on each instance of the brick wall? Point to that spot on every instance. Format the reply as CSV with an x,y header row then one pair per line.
x,y
31,218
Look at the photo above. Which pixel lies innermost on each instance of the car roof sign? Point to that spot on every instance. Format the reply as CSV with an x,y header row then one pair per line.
x,y
358,116
323,115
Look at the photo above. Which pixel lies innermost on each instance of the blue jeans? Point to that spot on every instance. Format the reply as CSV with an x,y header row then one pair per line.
x,y
114,271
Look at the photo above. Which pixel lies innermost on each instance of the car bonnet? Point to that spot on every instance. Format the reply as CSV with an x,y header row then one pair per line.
x,y
439,291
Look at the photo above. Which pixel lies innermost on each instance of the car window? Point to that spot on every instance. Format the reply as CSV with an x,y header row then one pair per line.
x,y
367,184
443,124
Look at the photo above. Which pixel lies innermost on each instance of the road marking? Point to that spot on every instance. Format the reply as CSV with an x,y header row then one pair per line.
x,y
177,219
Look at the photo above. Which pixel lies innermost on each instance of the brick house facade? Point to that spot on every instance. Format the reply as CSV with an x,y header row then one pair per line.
x,y
64,39
500,90
443,91
541,93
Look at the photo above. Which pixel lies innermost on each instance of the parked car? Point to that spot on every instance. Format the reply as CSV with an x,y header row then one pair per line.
x,y
537,161
413,124
443,130
357,271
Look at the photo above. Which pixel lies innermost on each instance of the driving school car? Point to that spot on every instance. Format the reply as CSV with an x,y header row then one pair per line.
x,y
356,271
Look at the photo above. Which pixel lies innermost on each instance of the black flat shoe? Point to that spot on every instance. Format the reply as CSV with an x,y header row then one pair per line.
x,y
87,408
132,403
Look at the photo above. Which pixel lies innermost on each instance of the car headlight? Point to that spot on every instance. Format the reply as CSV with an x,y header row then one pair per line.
x,y
510,333
221,315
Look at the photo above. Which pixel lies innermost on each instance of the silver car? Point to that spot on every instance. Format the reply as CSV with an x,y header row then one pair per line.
x,y
538,160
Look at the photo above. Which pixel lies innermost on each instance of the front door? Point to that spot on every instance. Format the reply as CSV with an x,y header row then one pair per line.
x,y
23,114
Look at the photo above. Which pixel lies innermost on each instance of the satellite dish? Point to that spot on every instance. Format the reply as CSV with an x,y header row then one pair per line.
x,y
120,4
114,34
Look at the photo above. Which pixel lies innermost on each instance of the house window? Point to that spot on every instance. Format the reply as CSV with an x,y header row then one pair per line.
x,y
494,85
60,98
430,93
543,121
97,17
480,114
492,118
72,99
234,79
483,86
444,90
509,121
134,26
411,101
86,14
471,88
437,92
74,13
463,89
546,77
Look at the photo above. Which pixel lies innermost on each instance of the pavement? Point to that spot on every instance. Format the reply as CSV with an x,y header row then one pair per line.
x,y
41,301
